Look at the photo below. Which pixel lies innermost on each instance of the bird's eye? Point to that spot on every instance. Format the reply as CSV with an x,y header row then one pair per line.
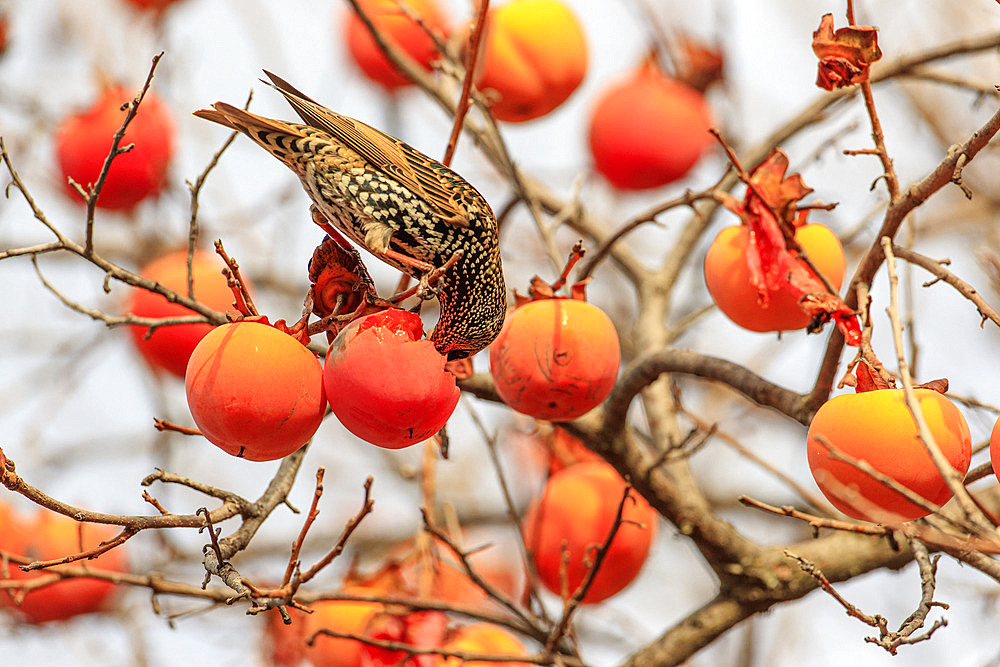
x,y
454,355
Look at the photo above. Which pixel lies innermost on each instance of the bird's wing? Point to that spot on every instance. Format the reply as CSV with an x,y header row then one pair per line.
x,y
423,175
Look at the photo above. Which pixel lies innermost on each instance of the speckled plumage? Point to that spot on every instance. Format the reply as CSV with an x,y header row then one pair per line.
x,y
406,208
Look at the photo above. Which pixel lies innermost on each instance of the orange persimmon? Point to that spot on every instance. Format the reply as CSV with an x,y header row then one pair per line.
x,y
876,426
727,277
576,511
534,55
485,639
46,536
555,359
399,29
648,130
288,643
83,141
254,391
169,348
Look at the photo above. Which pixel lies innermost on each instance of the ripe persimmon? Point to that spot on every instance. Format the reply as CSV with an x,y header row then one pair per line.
x,y
485,639
555,359
254,391
46,536
577,509
432,571
288,643
83,141
876,426
386,384
727,277
995,448
533,56
169,348
648,130
400,30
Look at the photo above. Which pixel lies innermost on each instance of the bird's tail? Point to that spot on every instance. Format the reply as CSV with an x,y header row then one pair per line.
x,y
275,136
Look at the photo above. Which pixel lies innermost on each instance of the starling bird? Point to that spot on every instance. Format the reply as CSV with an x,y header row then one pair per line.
x,y
404,207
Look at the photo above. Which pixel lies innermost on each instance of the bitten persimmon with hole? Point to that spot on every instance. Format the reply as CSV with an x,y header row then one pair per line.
x,y
648,130
47,536
727,277
169,348
83,141
876,426
399,29
254,391
385,383
533,57
555,359
577,509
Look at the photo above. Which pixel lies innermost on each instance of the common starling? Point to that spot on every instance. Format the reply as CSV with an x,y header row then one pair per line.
x,y
404,207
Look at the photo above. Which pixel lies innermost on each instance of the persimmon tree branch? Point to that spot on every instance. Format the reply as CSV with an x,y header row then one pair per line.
x,y
911,198
645,368
936,267
952,477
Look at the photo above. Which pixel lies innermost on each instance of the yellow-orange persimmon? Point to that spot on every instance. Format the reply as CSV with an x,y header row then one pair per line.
x,y
399,29
169,348
254,391
484,639
288,643
648,130
577,509
728,278
876,426
47,536
533,56
555,359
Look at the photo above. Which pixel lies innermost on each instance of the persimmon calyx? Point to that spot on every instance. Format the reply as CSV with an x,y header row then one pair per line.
x,y
868,378
845,55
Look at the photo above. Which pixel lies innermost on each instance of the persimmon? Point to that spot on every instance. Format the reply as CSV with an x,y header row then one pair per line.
x,y
152,5
83,141
486,639
727,277
876,426
4,30
398,28
995,448
577,510
169,348
648,130
433,572
533,56
555,359
288,643
47,536
385,383
254,391
421,629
